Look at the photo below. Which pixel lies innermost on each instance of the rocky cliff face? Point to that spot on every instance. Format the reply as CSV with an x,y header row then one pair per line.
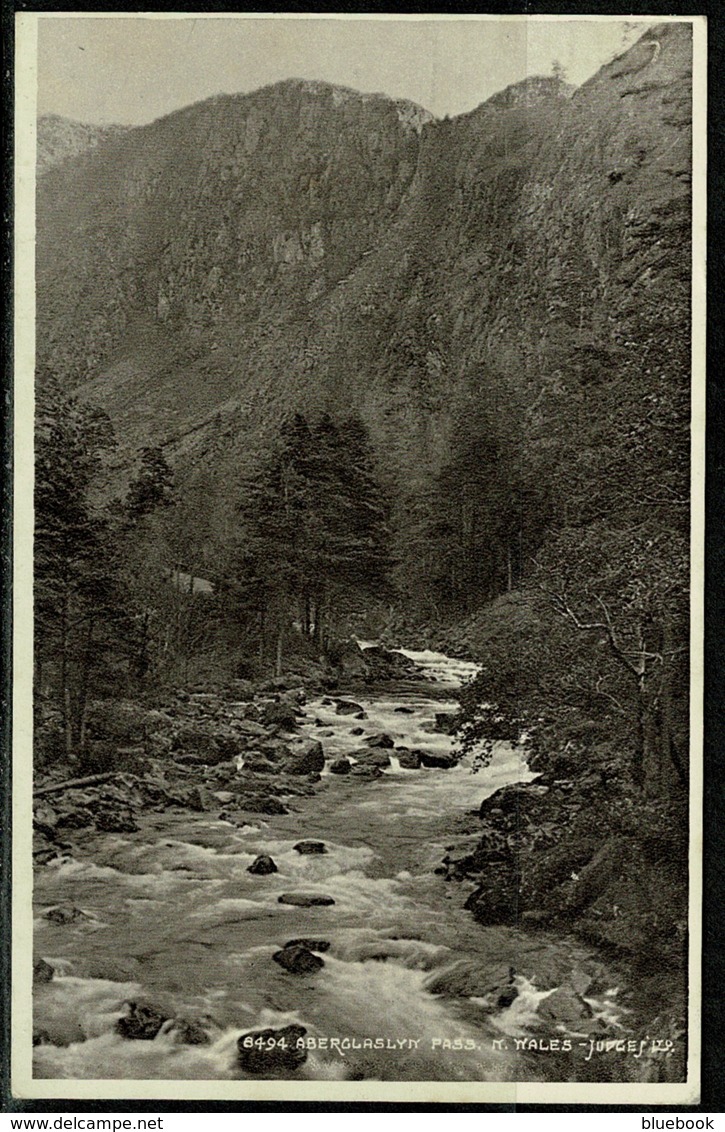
x,y
305,246
60,139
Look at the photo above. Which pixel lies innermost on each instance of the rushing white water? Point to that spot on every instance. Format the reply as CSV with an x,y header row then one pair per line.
x,y
173,916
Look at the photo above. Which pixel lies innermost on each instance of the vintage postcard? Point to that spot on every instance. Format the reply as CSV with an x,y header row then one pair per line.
x,y
359,466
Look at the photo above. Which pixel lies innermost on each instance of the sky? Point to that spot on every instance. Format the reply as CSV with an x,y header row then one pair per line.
x,y
131,70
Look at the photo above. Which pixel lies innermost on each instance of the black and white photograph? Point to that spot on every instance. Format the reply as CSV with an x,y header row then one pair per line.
x,y
358,656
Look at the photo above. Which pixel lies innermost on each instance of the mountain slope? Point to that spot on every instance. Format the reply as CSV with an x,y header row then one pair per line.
x,y
307,247
60,139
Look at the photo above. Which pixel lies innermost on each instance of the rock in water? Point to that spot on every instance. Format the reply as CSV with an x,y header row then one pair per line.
x,y
440,761
377,756
42,972
116,821
340,766
409,760
362,771
266,1052
381,739
63,914
189,1031
307,848
298,960
305,899
507,997
305,758
142,1023
282,715
262,866
347,707
566,1006
310,944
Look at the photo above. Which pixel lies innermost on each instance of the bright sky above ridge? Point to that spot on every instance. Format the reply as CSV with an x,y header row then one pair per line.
x,y
132,70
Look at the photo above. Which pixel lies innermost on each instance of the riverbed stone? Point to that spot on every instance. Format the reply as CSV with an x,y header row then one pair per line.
x,y
262,866
380,739
64,914
189,1031
308,848
142,1023
409,760
116,821
565,1006
515,798
436,760
340,766
347,707
361,770
310,944
376,756
262,804
306,757
265,1052
305,899
298,960
281,715
42,971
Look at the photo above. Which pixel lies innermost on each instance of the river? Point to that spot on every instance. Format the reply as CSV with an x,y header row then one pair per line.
x,y
173,917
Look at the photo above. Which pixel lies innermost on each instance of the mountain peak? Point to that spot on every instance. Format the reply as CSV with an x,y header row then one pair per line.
x,y
409,113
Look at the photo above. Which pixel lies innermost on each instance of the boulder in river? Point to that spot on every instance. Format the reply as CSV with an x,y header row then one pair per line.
x,y
565,1006
307,757
445,722
262,804
42,971
282,714
262,866
305,899
310,944
119,820
259,763
45,819
347,707
298,960
307,848
64,914
142,1023
340,766
189,1031
437,760
377,756
519,797
251,727
200,799
361,770
380,739
357,730
409,760
265,1052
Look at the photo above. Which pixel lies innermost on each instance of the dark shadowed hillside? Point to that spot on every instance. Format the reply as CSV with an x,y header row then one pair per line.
x,y
308,246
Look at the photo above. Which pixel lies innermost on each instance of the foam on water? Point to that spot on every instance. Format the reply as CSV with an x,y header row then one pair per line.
x,y
196,930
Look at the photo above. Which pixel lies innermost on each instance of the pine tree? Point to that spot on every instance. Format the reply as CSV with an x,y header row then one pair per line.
x,y
79,603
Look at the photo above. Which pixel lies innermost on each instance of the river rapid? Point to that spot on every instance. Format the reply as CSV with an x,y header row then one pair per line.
x,y
412,988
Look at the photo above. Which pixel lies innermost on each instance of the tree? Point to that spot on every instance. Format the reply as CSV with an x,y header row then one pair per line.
x,y
313,529
80,608
152,487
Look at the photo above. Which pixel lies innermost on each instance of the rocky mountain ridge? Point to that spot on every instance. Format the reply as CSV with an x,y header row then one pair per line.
x,y
304,247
